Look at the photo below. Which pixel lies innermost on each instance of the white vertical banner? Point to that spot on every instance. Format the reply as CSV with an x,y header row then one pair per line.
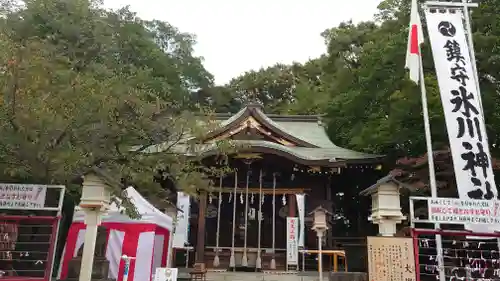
x,y
462,110
300,198
292,247
182,223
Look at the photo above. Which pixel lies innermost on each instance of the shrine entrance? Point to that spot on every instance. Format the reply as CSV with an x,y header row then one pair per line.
x,y
280,161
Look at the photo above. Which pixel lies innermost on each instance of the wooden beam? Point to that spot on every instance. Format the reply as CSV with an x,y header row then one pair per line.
x,y
278,191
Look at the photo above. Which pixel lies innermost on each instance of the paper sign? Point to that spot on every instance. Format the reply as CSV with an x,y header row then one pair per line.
x,y
166,274
22,196
391,259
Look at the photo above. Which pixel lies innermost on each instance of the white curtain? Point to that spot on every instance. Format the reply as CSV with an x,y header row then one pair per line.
x,y
114,252
144,256
158,251
79,242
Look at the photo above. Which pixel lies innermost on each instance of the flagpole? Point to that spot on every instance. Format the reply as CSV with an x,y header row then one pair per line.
x,y
430,159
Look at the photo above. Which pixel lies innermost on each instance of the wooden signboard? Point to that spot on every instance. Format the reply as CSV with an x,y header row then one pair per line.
x,y
391,259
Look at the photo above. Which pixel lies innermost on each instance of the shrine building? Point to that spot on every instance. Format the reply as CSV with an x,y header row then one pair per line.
x,y
280,156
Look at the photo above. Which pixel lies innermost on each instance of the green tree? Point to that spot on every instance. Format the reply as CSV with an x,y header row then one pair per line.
x,y
81,86
286,89
373,105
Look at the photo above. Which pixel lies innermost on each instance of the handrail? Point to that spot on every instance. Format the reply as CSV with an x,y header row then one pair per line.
x,y
334,253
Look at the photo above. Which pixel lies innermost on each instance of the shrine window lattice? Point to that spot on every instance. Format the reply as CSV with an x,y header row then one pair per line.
x,y
26,246
464,259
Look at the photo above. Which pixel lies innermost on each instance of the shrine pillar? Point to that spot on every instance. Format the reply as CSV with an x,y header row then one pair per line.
x,y
200,239
292,205
386,205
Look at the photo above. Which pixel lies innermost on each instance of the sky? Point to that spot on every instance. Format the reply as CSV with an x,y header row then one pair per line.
x,y
235,36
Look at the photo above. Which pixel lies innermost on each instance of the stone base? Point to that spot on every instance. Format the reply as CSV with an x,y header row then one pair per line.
x,y
348,276
99,270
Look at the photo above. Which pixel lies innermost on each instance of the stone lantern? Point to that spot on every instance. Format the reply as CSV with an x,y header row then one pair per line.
x,y
386,205
319,219
320,226
95,200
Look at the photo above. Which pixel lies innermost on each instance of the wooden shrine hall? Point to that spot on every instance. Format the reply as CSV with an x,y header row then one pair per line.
x,y
242,224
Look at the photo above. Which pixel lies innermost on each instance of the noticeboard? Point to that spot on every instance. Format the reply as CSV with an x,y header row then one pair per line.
x,y
22,196
166,274
391,259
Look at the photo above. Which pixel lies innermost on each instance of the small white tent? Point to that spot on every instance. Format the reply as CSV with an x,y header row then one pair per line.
x,y
145,238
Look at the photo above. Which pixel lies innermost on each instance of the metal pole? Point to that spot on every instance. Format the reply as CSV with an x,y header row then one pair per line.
x,y
432,171
470,39
465,6
126,268
58,225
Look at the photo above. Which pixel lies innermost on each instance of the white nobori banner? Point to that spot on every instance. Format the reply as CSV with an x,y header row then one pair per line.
x,y
182,224
462,108
292,247
301,207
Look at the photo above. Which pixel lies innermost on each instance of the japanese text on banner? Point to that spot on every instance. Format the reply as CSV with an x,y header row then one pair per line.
x,y
461,105
292,247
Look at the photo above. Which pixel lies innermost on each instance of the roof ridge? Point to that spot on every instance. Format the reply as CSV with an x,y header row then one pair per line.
x,y
280,117
295,118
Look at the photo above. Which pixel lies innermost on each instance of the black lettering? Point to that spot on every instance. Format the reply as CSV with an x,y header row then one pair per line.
x,y
459,74
478,192
472,126
473,160
462,100
454,52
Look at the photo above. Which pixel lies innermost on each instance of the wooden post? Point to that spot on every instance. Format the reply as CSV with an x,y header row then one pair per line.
x,y
219,202
244,259
292,205
200,241
232,262
273,260
258,261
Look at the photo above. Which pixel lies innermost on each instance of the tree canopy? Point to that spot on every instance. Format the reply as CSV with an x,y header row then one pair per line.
x,y
84,87
362,87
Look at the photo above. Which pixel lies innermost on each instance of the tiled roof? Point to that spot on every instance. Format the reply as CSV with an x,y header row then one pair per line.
x,y
307,128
